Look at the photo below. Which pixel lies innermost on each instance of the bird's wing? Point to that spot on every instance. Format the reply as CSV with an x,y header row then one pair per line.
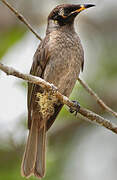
x,y
41,58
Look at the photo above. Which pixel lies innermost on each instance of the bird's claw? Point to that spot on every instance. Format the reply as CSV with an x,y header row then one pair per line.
x,y
76,103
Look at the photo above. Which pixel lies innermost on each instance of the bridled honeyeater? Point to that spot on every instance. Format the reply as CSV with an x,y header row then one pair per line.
x,y
58,60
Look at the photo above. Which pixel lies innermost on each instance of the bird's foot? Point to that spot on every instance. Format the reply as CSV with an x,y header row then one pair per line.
x,y
76,103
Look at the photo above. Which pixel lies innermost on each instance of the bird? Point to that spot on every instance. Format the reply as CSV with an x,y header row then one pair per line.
x,y
58,59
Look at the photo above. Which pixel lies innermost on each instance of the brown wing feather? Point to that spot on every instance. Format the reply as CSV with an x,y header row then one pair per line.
x,y
41,58
53,117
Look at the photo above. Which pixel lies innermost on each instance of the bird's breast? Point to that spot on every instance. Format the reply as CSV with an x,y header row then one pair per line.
x,y
62,70
65,62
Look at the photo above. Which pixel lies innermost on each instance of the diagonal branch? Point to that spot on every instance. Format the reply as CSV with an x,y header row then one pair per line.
x,y
97,98
84,112
21,18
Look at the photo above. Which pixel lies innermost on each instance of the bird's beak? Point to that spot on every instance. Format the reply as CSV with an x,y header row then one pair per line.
x,y
83,7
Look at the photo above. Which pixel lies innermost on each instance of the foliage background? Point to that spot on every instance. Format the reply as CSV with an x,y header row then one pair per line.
x,y
76,149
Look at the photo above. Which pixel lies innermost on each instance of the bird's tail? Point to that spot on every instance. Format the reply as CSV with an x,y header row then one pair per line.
x,y
34,155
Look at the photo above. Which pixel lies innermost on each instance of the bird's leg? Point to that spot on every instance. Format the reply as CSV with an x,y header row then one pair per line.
x,y
76,103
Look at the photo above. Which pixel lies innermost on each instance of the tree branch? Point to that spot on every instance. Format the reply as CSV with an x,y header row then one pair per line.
x,y
21,18
97,98
50,87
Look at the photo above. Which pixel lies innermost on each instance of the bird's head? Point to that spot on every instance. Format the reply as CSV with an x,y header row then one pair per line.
x,y
65,14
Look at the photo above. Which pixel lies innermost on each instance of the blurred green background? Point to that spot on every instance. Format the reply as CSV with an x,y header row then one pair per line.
x,y
76,149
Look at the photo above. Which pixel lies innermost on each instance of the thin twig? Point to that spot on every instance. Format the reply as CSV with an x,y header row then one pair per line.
x,y
85,112
21,18
97,98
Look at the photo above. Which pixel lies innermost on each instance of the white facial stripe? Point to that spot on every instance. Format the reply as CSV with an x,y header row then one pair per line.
x,y
61,12
82,6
